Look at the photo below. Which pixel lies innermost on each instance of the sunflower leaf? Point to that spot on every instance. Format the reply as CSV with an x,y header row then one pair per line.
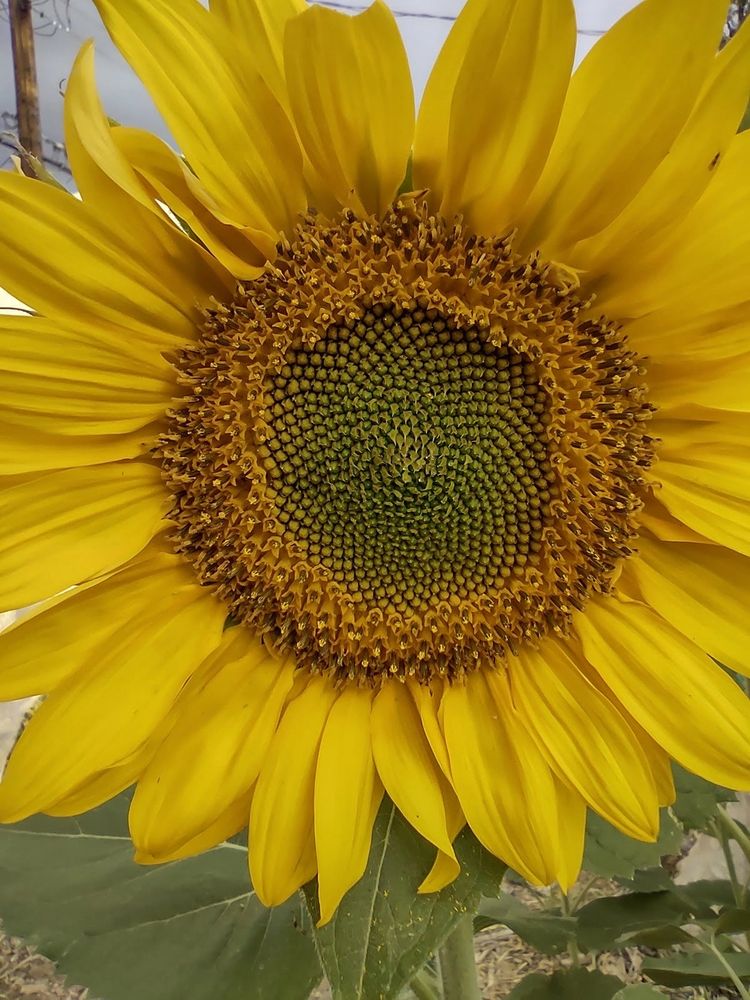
x,y
573,984
696,970
604,922
610,853
697,799
192,928
545,930
383,931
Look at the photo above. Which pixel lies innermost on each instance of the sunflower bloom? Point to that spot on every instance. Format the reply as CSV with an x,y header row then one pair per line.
x,y
328,484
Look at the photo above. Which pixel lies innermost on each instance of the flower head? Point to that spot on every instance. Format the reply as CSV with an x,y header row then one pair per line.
x,y
332,484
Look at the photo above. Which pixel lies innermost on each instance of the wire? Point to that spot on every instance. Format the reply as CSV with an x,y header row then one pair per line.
x,y
422,15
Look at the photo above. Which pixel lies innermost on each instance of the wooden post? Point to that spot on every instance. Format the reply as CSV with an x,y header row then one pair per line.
x,y
27,89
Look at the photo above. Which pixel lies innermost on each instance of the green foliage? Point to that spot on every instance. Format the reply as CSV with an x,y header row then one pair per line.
x,y
383,932
696,970
697,799
191,929
610,853
573,984
548,931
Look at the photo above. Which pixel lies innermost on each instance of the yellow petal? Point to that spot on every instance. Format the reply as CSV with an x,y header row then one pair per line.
x,y
571,812
586,742
60,528
700,589
702,334
348,793
406,765
64,634
697,268
704,474
221,731
443,871
105,785
70,400
692,383
491,108
352,100
282,849
504,786
171,181
427,698
621,117
656,519
231,821
228,124
257,27
684,173
99,716
106,278
677,693
107,182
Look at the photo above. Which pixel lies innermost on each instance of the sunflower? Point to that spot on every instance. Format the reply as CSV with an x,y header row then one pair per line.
x,y
353,452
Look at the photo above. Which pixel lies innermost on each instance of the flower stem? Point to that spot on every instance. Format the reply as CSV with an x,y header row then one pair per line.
x,y
457,964
730,972
423,986
734,830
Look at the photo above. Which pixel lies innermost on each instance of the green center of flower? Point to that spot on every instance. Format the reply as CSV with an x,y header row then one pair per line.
x,y
404,449
409,457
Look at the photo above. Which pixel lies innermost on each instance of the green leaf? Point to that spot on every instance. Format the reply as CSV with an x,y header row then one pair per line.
x,y
192,928
573,984
610,853
545,930
604,922
383,932
733,920
697,799
639,992
695,970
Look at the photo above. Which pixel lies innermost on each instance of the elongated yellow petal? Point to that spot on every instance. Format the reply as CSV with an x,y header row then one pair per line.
x,y
351,97
571,814
585,740
172,183
684,173
62,527
229,125
215,750
105,785
231,821
104,712
700,589
281,844
674,690
482,155
500,778
70,400
443,871
696,269
407,767
699,333
257,27
704,475
428,698
721,384
62,635
105,280
613,134
348,793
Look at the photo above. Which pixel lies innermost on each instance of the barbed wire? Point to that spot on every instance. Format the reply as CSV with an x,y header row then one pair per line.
x,y
421,15
53,152
47,24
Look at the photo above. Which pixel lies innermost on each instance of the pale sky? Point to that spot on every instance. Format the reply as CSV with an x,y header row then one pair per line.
x,y
124,98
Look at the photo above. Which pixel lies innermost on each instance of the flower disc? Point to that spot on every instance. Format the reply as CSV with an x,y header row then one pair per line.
x,y
401,450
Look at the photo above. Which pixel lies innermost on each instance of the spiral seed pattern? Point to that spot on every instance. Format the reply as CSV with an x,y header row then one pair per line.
x,y
405,449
